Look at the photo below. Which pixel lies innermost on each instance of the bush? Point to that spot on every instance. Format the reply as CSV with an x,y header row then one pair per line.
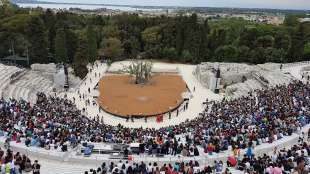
x,y
80,70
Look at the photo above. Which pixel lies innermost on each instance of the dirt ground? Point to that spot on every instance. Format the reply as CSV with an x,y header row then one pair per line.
x,y
120,96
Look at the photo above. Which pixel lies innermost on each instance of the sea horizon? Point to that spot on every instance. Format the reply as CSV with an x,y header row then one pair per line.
x,y
84,6
126,7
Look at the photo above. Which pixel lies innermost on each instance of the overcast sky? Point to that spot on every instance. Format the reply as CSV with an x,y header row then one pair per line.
x,y
282,4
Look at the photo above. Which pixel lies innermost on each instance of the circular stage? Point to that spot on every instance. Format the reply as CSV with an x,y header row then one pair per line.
x,y
121,97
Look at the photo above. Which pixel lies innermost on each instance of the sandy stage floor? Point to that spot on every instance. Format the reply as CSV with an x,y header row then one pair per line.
x,y
120,96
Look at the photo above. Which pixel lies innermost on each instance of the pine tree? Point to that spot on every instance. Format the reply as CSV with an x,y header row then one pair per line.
x,y
203,45
80,61
180,37
60,46
71,43
49,20
38,40
298,43
91,44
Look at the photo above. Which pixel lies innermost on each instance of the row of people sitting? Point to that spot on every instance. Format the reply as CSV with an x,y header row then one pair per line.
x,y
17,163
294,160
191,167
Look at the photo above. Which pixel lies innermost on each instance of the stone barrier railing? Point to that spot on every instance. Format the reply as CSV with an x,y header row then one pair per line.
x,y
203,159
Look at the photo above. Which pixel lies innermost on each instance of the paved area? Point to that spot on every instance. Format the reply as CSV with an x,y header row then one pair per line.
x,y
198,96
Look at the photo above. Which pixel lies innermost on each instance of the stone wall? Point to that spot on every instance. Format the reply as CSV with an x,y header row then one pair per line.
x,y
231,73
239,79
204,159
46,70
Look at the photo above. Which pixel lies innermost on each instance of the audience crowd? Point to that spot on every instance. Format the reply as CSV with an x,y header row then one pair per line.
x,y
17,163
261,117
191,167
295,160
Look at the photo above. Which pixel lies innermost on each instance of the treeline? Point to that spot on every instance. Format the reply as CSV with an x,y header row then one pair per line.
x,y
78,39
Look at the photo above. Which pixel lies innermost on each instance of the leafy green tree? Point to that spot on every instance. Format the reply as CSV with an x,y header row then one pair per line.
x,y
131,47
217,38
110,31
291,20
282,41
49,20
71,44
258,55
16,41
152,53
227,53
80,60
15,24
265,41
297,46
234,27
140,70
151,36
243,54
6,9
168,34
169,53
275,55
37,37
91,44
186,56
307,51
265,29
193,38
204,52
180,37
248,37
61,47
111,48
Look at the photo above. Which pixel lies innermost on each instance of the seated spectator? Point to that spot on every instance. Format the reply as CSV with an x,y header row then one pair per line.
x,y
36,167
13,163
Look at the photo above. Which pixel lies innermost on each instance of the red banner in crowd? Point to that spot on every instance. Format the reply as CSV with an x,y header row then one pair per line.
x,y
160,118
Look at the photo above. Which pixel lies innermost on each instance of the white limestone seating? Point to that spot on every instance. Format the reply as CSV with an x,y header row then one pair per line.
x,y
5,73
273,77
241,89
232,74
27,86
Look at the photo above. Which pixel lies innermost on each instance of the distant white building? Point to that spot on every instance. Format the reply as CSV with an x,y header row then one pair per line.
x,y
3,2
304,19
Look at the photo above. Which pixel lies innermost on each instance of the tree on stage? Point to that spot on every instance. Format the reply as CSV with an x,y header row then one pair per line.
x,y
141,70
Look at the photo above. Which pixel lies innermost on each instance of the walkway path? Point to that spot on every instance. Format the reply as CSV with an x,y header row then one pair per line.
x,y
295,71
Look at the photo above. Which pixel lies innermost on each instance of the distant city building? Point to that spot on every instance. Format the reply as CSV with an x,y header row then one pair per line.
x,y
1,3
259,18
304,19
